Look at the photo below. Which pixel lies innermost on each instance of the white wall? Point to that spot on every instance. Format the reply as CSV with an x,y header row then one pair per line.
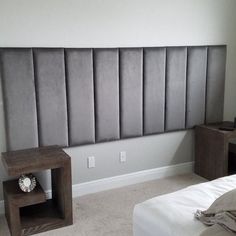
x,y
121,23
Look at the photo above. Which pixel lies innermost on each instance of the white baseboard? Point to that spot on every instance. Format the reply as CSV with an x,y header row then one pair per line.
x,y
124,180
132,178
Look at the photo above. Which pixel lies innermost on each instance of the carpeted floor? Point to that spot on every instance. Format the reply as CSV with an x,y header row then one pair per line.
x,y
109,213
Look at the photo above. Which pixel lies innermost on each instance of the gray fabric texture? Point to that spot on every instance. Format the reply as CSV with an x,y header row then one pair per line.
x,y
196,86
175,88
78,96
221,212
216,230
19,97
107,94
215,84
51,96
131,92
154,90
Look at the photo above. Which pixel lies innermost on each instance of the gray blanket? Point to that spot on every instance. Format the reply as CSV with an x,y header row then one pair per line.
x,y
221,214
216,230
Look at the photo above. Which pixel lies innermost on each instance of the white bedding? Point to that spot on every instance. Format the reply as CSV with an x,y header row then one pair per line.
x,y
173,214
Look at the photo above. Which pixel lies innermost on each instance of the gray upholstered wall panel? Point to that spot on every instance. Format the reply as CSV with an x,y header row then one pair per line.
x,y
19,96
215,84
79,72
131,92
175,88
80,96
154,89
106,78
51,96
196,86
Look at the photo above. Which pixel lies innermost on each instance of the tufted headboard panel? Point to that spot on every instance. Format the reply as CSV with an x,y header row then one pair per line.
x,y
75,96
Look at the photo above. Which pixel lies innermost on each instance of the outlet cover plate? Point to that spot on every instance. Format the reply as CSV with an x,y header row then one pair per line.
x,y
91,162
123,156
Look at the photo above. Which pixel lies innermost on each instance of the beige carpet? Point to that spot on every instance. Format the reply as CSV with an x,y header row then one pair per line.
x,y
109,213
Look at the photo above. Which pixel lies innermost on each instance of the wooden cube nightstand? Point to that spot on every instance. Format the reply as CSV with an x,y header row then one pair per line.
x,y
30,213
212,150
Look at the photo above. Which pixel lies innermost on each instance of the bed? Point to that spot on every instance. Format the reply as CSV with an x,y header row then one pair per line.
x,y
173,214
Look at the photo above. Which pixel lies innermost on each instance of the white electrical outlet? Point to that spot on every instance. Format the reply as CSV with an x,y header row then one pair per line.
x,y
123,156
91,162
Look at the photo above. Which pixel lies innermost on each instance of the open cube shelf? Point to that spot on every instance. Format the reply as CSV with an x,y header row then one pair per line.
x,y
30,213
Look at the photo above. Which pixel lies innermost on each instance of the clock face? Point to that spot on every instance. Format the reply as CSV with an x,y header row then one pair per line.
x,y
27,183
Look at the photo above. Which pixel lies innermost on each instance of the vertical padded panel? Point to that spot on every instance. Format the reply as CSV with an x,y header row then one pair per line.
x,y
175,88
215,84
196,86
154,90
79,68
19,97
51,96
131,91
106,79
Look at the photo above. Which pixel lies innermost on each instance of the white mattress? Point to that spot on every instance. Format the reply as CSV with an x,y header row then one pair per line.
x,y
173,214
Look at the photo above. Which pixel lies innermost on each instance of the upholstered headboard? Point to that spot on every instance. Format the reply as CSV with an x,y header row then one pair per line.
x,y
80,96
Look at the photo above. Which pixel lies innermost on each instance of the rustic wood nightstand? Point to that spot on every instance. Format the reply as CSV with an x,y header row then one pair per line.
x,y
214,155
30,213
